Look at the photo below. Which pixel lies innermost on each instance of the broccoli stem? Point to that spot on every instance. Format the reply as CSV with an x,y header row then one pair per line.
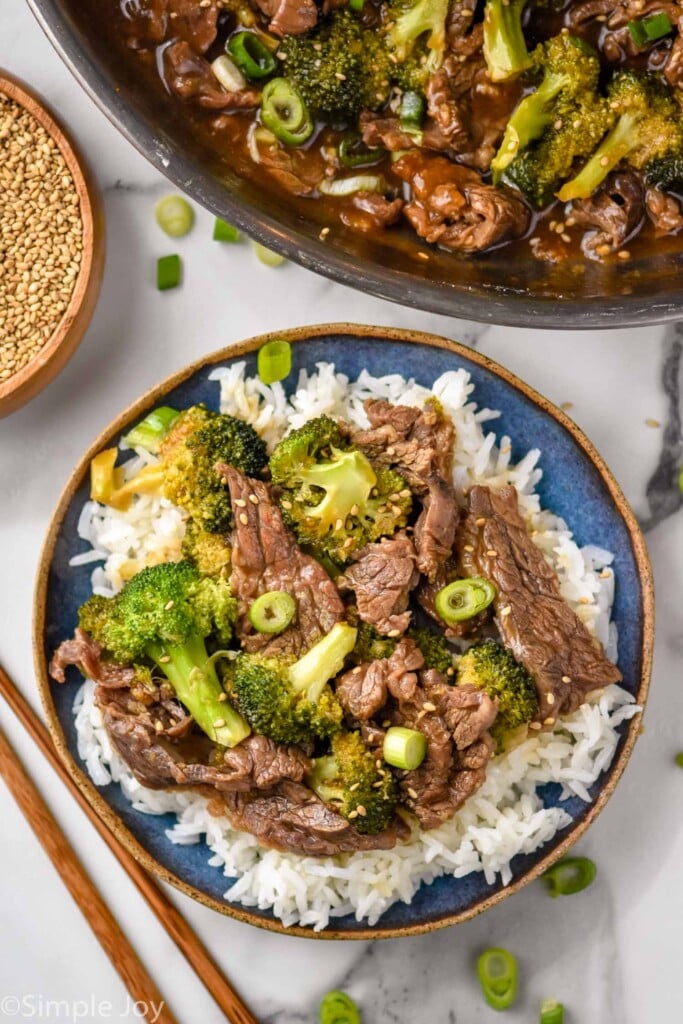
x,y
505,49
324,661
612,149
528,122
192,674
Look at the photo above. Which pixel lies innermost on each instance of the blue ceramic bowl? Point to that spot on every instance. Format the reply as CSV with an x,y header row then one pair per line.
x,y
576,484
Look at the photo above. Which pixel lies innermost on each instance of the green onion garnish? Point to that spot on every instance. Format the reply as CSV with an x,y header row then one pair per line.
x,y
650,29
338,1008
251,55
404,748
552,1012
174,215
679,759
150,432
680,481
224,232
285,113
272,612
354,153
497,973
274,361
168,272
463,599
267,257
570,875
356,5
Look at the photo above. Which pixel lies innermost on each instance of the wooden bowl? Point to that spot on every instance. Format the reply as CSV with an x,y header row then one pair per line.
x,y
54,355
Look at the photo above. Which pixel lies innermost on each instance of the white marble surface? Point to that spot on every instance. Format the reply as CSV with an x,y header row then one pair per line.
x,y
612,954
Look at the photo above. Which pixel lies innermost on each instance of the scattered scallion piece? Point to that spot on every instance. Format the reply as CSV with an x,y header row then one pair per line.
x,y
150,432
648,30
274,361
552,1012
356,5
679,759
404,748
349,186
267,257
497,973
354,153
272,612
168,272
251,55
224,232
338,1008
680,481
285,113
463,599
174,215
570,875
228,74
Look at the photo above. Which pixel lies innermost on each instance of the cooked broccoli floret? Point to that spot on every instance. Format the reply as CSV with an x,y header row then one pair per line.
x,y
419,30
331,496
564,106
371,645
505,49
198,440
491,667
435,650
291,702
340,67
667,172
648,128
165,614
350,780
209,552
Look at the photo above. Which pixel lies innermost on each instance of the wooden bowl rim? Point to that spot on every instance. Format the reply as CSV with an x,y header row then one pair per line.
x,y
36,106
134,410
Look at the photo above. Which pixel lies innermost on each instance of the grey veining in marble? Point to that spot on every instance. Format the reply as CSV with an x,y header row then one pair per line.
x,y
611,954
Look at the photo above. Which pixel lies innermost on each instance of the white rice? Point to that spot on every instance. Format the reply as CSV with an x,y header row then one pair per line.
x,y
506,816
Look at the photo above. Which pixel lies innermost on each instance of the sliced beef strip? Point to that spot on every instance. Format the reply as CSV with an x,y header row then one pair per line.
x,y
613,213
417,442
289,17
83,652
533,618
364,691
382,576
454,721
673,69
189,76
436,527
266,556
451,206
664,211
385,132
292,818
371,212
150,22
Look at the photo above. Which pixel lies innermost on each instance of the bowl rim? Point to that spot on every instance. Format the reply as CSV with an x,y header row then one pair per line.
x,y
246,347
515,309
69,330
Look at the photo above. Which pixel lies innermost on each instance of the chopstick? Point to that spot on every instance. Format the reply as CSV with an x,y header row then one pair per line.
x,y
173,922
81,886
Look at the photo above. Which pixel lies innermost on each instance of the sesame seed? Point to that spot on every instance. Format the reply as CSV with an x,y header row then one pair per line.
x,y
253,499
566,406
565,237
354,787
505,611
412,793
623,254
378,784
652,423
158,726
354,510
394,632
428,706
386,723
168,606
480,521
491,553
450,671
219,723
286,504
468,547
324,233
241,503
339,525
566,679
549,721
584,600
550,697
534,725
164,659
222,697
352,815
361,810
605,574
244,518
604,160
348,543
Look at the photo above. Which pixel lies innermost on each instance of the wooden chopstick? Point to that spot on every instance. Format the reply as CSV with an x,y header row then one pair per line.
x,y
139,983
185,938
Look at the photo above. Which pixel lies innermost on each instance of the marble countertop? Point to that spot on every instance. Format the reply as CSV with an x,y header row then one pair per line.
x,y
612,954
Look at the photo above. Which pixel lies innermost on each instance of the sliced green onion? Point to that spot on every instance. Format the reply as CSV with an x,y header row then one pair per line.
x,y
356,5
347,186
497,973
251,55
463,599
228,74
404,748
679,759
354,153
224,232
274,361
552,1012
680,481
174,215
267,256
272,612
411,112
570,875
283,111
168,272
150,432
338,1008
650,29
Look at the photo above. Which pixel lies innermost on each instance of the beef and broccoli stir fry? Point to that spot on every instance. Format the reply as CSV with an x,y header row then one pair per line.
x,y
347,640
555,124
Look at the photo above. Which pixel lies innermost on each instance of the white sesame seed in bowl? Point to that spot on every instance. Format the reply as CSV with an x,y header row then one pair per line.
x,y
51,245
